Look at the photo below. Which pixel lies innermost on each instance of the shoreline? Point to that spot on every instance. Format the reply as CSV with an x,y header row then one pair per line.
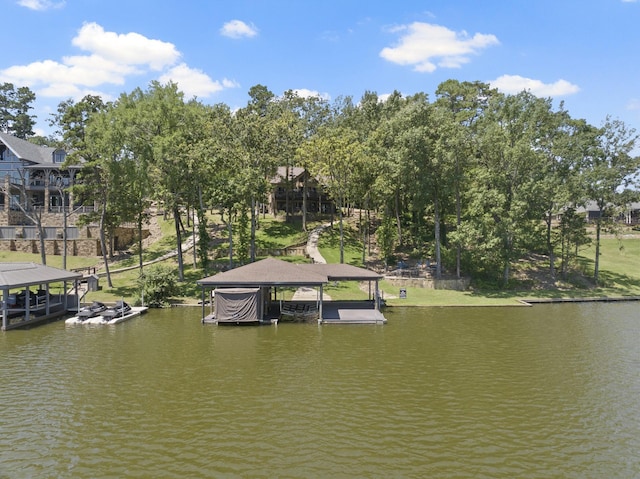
x,y
524,302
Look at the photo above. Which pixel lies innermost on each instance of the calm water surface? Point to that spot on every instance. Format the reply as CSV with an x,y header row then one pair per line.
x,y
547,391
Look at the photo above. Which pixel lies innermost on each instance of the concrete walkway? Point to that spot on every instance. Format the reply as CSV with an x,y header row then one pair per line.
x,y
312,244
311,294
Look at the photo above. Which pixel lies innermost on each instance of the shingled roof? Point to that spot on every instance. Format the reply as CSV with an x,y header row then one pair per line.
x,y
275,272
25,150
266,272
342,272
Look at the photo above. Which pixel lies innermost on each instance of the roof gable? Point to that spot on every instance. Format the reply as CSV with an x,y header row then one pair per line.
x,y
25,150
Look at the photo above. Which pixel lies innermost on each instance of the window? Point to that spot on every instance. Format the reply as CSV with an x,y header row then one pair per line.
x,y
59,156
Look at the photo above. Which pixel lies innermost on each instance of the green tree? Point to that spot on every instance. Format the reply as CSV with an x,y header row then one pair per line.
x,y
423,147
610,167
15,104
389,183
505,207
92,182
158,285
209,161
336,153
466,101
167,129
261,139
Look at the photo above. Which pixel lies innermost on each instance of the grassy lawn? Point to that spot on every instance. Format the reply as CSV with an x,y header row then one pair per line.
x,y
73,262
275,233
329,245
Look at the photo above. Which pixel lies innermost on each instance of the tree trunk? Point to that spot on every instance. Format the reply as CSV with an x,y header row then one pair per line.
x,y
177,221
508,244
596,270
103,245
552,259
304,202
341,233
368,229
203,240
287,191
43,252
458,223
193,237
364,237
398,224
140,242
436,219
64,236
230,232
252,252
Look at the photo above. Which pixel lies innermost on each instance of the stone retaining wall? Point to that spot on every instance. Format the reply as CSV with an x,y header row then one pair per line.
x,y
88,243
431,283
79,247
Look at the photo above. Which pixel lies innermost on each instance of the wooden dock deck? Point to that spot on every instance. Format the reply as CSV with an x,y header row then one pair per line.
x,y
351,312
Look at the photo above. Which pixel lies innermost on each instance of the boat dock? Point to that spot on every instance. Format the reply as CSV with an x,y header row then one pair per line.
x,y
351,312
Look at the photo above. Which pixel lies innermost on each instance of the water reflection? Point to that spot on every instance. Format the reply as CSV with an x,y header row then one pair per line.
x,y
548,391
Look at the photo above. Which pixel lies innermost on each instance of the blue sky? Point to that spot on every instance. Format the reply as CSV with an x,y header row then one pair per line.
x,y
585,53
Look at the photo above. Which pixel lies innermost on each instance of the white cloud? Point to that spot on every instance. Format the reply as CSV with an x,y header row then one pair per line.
x,y
40,5
513,84
195,83
238,29
634,104
75,71
305,93
66,90
111,59
427,47
128,48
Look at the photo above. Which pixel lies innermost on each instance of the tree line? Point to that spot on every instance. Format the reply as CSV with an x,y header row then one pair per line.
x,y
474,179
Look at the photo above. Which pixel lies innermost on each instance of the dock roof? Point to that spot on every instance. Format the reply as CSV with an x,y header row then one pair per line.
x,y
18,275
275,272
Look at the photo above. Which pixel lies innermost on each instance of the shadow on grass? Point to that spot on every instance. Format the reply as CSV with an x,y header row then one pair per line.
x,y
126,291
286,234
581,286
330,243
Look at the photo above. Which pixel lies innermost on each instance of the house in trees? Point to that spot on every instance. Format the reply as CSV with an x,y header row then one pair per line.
x,y
629,215
293,188
33,184
32,176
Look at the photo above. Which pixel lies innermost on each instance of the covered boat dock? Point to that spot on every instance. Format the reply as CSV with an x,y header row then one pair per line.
x,y
23,306
257,284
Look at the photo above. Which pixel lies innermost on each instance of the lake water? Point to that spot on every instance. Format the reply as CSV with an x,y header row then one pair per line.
x,y
546,391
